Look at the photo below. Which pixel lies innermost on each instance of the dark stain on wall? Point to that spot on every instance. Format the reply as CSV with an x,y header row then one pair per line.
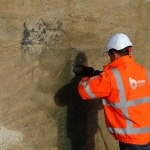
x,y
38,34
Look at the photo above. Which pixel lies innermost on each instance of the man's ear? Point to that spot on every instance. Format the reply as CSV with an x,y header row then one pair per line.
x,y
115,55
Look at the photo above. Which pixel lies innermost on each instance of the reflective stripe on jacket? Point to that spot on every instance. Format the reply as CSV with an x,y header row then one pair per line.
x,y
125,89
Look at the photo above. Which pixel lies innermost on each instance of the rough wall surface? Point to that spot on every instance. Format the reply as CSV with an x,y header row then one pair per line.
x,y
40,41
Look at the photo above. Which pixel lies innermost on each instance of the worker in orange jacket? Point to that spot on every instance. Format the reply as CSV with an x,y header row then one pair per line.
x,y
124,87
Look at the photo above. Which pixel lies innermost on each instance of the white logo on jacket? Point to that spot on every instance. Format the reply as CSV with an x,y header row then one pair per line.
x,y
135,83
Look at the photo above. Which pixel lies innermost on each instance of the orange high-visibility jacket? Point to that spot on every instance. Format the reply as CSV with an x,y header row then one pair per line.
x,y
125,88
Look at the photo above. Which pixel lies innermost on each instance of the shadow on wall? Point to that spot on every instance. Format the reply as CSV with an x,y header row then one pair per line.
x,y
82,116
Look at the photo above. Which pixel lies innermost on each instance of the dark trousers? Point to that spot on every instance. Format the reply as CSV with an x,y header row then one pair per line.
x,y
125,146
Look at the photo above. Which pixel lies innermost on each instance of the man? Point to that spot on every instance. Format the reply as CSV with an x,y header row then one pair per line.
x,y
125,88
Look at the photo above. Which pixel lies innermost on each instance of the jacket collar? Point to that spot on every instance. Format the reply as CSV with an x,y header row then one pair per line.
x,y
119,61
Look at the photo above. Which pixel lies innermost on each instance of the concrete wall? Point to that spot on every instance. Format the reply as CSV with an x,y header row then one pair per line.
x,y
40,41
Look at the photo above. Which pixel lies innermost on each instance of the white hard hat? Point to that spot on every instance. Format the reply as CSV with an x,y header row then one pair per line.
x,y
118,41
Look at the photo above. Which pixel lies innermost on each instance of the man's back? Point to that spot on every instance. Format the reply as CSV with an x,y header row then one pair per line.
x,y
129,101
125,87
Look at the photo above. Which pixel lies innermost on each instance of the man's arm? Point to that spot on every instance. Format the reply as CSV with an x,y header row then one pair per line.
x,y
94,87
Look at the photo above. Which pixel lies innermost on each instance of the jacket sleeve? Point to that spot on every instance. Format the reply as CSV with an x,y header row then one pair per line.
x,y
94,87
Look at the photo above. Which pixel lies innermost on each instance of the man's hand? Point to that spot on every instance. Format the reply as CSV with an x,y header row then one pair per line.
x,y
97,72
